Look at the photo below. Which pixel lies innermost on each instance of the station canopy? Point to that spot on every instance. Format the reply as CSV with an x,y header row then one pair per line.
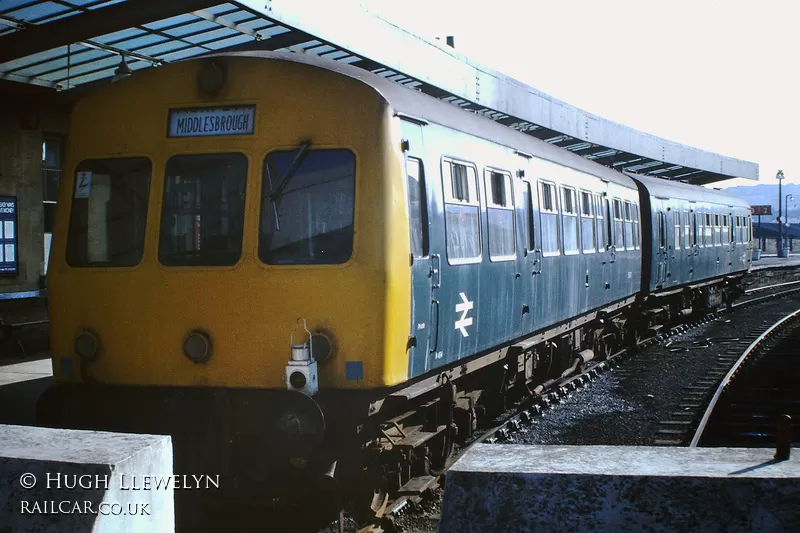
x,y
69,44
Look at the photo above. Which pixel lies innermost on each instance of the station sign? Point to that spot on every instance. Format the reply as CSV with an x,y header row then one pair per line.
x,y
761,209
211,121
9,266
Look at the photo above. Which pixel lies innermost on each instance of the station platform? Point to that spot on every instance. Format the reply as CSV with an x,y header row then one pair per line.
x,y
506,487
85,481
30,331
22,381
773,261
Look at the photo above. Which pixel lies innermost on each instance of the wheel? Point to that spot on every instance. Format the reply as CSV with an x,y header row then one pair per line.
x,y
441,452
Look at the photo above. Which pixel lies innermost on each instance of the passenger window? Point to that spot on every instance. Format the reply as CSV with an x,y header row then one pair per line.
x,y
676,215
635,213
528,201
307,207
629,244
741,230
500,212
738,225
202,215
460,185
587,222
726,230
694,229
749,229
717,231
602,229
569,214
417,207
687,239
619,225
662,239
462,212
708,232
549,218
109,212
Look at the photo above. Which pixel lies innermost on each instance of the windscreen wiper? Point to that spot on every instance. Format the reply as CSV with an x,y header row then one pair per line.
x,y
302,150
275,195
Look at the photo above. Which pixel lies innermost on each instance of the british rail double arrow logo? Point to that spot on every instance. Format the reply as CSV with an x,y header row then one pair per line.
x,y
464,307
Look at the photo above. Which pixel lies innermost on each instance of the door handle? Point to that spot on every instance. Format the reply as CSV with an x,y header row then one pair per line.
x,y
434,333
436,271
537,262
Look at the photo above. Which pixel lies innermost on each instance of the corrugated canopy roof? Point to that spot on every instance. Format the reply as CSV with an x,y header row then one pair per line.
x,y
62,44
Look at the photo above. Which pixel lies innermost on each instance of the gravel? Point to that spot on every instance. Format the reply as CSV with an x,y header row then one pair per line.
x,y
625,406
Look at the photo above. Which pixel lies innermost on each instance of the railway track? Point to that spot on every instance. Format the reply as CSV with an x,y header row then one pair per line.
x,y
523,414
758,392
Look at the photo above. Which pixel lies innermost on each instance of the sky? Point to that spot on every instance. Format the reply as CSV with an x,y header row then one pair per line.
x,y
720,76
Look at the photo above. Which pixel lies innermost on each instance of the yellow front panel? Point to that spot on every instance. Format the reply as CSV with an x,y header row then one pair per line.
x,y
142,314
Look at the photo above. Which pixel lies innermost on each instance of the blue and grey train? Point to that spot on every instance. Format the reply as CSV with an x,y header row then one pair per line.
x,y
441,263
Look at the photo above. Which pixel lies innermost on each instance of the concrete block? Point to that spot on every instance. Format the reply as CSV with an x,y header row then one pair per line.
x,y
621,489
67,481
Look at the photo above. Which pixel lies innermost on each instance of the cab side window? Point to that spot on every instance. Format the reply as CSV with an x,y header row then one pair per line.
x,y
417,207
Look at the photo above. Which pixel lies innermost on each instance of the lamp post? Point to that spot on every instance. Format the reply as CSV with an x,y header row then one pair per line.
x,y
786,224
779,176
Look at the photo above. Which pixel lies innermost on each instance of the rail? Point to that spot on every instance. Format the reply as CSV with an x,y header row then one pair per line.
x,y
756,289
732,372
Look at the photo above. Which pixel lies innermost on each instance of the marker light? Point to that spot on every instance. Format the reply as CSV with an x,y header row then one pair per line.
x,y
197,346
87,345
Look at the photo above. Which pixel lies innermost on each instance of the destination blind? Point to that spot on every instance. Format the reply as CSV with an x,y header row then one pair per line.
x,y
211,121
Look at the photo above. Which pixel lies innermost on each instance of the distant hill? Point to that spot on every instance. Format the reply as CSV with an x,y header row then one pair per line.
x,y
768,195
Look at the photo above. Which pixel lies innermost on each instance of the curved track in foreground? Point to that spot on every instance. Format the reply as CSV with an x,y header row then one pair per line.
x,y
749,411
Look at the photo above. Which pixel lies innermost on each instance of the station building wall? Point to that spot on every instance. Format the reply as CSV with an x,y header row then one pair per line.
x,y
29,123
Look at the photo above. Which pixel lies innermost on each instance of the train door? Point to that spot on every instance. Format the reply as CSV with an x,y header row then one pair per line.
x,y
605,237
660,246
425,267
731,244
532,255
692,250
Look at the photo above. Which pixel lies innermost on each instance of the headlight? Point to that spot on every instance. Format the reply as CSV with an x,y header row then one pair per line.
x,y
197,346
87,345
323,345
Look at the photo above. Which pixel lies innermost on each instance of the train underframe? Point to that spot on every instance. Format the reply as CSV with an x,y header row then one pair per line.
x,y
356,448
